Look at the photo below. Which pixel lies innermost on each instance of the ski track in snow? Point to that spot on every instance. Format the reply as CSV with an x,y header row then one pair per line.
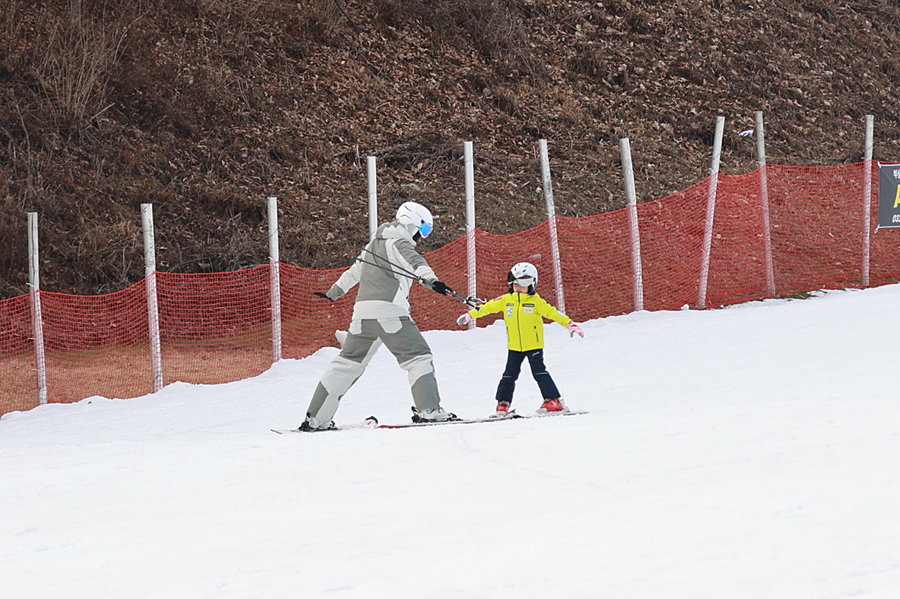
x,y
745,452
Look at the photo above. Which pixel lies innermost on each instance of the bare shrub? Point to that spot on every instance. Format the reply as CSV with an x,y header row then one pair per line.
x,y
506,100
328,14
571,111
590,60
494,26
11,28
76,66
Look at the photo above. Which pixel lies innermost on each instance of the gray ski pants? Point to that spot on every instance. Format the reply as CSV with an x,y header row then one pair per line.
x,y
403,338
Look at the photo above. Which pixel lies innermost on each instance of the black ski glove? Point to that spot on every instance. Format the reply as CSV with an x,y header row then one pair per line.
x,y
441,288
324,295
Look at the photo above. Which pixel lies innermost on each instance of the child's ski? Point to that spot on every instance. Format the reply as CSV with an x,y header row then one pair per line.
x,y
511,416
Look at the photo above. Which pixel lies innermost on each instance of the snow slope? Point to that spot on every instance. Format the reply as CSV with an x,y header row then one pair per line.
x,y
747,452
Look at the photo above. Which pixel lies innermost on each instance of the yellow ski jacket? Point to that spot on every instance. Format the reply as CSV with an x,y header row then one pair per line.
x,y
523,316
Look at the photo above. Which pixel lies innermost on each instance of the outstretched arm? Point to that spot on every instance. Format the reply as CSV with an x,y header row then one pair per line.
x,y
490,307
547,310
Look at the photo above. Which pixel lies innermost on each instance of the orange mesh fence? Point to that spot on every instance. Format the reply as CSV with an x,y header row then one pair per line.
x,y
596,266
672,246
309,322
216,328
737,257
96,345
18,378
817,226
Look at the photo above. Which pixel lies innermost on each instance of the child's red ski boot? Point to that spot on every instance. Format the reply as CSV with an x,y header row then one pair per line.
x,y
502,410
550,406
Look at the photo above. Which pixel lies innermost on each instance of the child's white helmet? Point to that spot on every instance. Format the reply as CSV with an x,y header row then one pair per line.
x,y
525,274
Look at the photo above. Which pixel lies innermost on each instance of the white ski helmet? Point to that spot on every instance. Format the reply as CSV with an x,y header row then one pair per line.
x,y
416,217
525,274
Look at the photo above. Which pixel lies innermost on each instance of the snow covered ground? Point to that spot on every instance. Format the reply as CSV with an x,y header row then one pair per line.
x,y
748,452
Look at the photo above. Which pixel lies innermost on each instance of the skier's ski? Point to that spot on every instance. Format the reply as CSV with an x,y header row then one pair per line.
x,y
370,422
443,422
511,416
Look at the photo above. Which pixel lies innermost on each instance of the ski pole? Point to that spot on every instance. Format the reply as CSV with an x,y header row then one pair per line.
x,y
402,270
390,270
472,302
469,300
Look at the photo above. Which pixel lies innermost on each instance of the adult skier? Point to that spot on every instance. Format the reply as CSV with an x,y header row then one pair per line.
x,y
385,271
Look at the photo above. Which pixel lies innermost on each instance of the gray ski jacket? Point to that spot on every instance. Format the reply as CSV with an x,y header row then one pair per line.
x,y
383,290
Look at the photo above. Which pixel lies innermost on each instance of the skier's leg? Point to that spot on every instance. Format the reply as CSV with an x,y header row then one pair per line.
x,y
358,350
508,380
540,374
403,338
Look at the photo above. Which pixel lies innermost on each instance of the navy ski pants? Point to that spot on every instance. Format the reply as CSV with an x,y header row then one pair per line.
x,y
538,371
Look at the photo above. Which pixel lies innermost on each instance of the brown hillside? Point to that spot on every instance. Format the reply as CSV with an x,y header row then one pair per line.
x,y
206,107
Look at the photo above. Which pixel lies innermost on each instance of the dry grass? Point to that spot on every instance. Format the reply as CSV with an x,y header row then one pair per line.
x,y
72,75
217,104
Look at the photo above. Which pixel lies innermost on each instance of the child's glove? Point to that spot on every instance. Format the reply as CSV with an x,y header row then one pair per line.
x,y
464,319
574,329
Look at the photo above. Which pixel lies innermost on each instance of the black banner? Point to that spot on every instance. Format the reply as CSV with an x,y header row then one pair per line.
x,y
888,195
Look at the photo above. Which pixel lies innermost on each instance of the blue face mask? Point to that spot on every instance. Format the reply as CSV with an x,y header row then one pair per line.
x,y
425,229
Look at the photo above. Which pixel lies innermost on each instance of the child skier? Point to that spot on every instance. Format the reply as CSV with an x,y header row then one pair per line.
x,y
523,311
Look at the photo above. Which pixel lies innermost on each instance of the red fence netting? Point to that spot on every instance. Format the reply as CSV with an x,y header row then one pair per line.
x,y
18,379
96,345
216,328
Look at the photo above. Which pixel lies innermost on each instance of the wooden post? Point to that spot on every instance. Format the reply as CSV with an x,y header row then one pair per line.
x,y
373,197
867,199
633,230
710,211
37,320
156,374
551,221
274,278
471,283
764,201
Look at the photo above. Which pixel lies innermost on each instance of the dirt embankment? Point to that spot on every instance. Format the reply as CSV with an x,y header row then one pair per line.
x,y
206,107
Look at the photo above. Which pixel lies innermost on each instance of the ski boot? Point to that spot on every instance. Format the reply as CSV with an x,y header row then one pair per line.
x,y
503,410
432,415
311,425
551,405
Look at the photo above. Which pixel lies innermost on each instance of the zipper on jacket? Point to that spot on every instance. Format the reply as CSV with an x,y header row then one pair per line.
x,y
519,319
